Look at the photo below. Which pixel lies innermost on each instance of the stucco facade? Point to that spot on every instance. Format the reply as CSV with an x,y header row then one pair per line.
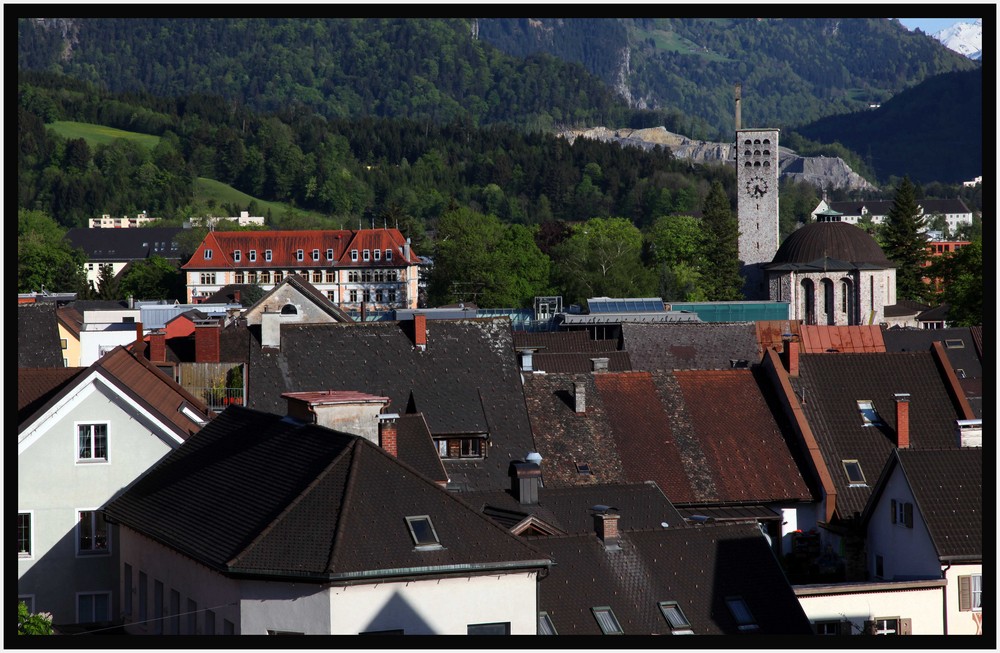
x,y
437,605
852,604
54,485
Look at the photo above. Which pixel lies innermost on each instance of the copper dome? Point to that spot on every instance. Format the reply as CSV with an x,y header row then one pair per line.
x,y
835,240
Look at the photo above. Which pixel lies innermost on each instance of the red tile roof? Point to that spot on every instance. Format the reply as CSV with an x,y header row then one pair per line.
x,y
849,339
284,246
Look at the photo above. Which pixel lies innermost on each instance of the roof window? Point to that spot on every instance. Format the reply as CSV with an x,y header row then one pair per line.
x,y
237,255
423,533
208,255
329,254
366,254
741,612
545,625
679,624
854,474
607,621
315,254
299,255
388,254
253,255
583,468
354,255
869,416
377,253
267,255
954,344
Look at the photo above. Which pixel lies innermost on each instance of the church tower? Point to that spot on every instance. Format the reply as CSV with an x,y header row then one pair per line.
x,y
757,206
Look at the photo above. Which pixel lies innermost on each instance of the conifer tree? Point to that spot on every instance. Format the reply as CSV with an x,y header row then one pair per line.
x,y
721,247
905,244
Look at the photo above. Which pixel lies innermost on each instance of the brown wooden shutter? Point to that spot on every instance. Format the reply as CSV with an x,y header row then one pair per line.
x,y
892,514
965,593
905,627
908,514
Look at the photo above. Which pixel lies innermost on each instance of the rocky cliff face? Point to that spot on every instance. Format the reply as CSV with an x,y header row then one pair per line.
x,y
822,172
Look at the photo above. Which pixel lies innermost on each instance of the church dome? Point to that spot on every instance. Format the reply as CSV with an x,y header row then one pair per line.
x,y
835,240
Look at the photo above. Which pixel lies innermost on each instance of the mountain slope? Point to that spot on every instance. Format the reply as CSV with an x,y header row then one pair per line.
x,y
964,38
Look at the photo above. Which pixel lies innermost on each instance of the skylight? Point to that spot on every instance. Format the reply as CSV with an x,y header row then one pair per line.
x,y
741,612
679,624
854,473
869,416
583,468
954,344
607,621
545,625
423,533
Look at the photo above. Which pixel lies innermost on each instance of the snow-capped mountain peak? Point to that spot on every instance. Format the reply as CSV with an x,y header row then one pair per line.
x,y
964,38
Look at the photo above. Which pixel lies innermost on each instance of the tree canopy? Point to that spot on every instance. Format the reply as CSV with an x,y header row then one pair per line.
x,y
905,244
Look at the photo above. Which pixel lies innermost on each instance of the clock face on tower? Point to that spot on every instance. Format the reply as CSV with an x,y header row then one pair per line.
x,y
756,186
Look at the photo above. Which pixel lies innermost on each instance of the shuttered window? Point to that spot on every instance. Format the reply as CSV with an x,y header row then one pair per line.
x,y
970,592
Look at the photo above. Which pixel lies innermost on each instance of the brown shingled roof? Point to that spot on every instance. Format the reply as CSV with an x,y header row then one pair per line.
x,y
36,385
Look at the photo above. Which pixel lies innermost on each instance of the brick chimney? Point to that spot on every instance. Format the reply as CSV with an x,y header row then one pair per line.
x,y
902,420
579,397
606,526
158,347
792,349
387,433
206,342
420,331
236,296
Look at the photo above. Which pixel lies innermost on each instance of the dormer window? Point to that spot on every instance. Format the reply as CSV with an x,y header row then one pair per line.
x,y
378,254
388,254
329,254
354,255
315,254
267,255
422,531
253,255
299,255
236,256
208,255
366,255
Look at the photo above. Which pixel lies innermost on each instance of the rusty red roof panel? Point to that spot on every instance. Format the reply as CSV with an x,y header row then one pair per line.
x,y
844,339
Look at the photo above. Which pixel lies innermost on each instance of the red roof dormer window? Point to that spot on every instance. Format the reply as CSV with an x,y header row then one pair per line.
x,y
236,255
253,255
366,255
378,254
267,255
388,254
208,255
354,255
329,254
315,254
299,255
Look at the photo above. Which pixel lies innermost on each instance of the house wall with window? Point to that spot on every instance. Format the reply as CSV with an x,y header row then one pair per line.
x,y
965,616
432,606
90,445
69,343
844,608
897,533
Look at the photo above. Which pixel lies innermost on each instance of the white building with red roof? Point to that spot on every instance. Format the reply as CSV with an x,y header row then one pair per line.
x,y
371,266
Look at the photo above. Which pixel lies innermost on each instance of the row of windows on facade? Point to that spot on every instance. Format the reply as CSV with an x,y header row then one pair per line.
x,y
316,276
366,255
92,535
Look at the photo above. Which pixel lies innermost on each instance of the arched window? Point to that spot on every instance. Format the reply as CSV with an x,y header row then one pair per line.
x,y
828,303
288,309
847,301
808,311
747,165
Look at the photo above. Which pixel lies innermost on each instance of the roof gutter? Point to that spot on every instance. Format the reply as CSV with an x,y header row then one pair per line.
x,y
400,574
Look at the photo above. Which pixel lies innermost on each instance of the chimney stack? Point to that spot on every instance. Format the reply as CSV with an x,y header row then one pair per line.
x,y
387,433
206,342
525,478
599,364
138,335
158,347
580,397
606,526
970,432
527,362
420,331
792,348
902,420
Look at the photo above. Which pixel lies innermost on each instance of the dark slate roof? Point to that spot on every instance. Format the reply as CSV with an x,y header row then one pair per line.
x,y
697,567
961,348
36,385
465,382
834,240
883,207
38,336
416,448
702,436
257,494
576,363
833,384
126,244
563,342
948,488
641,506
905,307
696,346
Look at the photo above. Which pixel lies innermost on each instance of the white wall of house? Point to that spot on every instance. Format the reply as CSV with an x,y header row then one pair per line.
x,y
962,622
53,485
860,602
98,339
210,590
907,553
436,606
306,309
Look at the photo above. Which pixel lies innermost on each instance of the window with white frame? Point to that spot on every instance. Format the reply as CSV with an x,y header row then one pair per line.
x,y
208,255
869,416
24,535
902,513
378,254
93,607
422,531
827,627
92,442
366,255
267,255
970,591
208,278
854,474
315,254
886,626
329,254
354,255
388,254
253,255
92,533
237,255
299,255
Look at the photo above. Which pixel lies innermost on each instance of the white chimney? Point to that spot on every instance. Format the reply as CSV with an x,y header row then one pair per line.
x,y
599,364
970,432
579,397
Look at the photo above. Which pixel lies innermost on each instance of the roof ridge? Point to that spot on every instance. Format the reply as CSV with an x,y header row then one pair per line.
x,y
345,501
